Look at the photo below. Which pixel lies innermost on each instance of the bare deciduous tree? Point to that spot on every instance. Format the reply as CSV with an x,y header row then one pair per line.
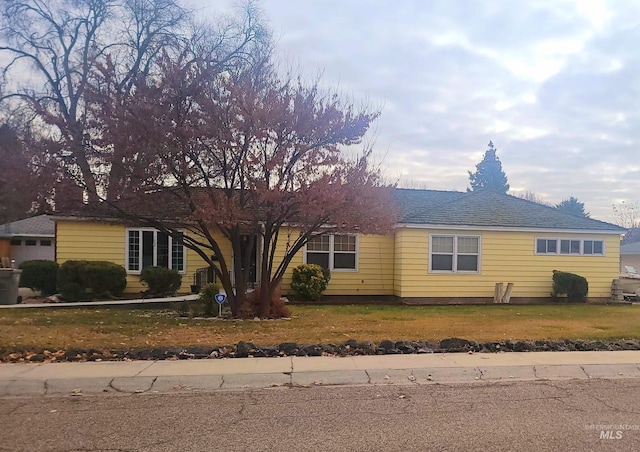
x,y
52,52
531,196
246,155
627,215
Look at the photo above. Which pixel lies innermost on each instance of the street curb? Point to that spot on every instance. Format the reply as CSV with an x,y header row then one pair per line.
x,y
139,377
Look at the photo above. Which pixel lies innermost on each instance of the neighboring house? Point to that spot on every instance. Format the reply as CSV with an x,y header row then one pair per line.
x,y
28,239
630,256
448,247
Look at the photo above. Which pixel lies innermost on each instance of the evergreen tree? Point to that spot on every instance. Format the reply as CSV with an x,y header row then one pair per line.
x,y
573,207
489,174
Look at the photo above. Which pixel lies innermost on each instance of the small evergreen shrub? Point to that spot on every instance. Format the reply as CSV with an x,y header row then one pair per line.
x,y
309,281
39,275
207,298
83,280
574,286
161,280
104,278
70,282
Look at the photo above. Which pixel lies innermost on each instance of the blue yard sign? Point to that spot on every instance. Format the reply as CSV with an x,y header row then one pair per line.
x,y
220,299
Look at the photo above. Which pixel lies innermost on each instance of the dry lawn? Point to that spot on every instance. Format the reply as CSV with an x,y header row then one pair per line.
x,y
119,328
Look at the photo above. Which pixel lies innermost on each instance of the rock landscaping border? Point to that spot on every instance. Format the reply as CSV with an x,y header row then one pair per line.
x,y
349,348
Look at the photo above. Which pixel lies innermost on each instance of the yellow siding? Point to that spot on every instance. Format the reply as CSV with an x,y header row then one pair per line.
x,y
101,241
505,257
387,265
375,267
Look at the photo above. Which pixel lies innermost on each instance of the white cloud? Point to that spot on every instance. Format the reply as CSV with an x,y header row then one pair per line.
x,y
553,83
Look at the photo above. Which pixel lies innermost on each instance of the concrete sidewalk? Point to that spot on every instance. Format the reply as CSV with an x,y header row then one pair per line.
x,y
255,373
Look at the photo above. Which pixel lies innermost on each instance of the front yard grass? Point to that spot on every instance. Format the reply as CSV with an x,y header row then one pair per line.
x,y
119,328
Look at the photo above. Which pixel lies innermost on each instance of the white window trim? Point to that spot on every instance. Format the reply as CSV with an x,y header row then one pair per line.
x,y
455,254
558,253
332,251
155,253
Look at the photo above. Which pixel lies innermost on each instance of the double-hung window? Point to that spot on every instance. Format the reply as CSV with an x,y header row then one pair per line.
x,y
332,251
570,246
454,253
148,247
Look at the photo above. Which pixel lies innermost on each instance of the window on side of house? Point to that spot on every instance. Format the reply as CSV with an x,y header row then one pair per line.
x,y
454,253
45,242
16,242
593,247
569,246
333,251
147,247
546,246
589,247
30,242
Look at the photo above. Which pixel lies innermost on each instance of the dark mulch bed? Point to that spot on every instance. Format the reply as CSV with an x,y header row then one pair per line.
x,y
348,348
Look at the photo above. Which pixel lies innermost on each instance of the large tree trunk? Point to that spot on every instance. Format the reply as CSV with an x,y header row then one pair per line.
x,y
264,308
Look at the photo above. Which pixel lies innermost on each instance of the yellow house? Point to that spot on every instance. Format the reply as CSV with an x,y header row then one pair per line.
x,y
453,247
448,247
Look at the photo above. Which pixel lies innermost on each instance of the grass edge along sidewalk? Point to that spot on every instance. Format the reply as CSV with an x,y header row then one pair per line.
x,y
120,329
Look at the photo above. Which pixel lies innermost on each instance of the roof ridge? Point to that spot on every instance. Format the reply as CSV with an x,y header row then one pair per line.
x,y
486,208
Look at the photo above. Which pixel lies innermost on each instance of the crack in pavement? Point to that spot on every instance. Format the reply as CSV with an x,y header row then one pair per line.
x,y
291,372
136,391
585,372
566,399
611,407
535,374
150,364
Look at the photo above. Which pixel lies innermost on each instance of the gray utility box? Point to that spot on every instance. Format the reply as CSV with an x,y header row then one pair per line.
x,y
9,283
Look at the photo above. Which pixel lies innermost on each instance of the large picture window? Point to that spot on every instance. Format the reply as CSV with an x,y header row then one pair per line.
x,y
589,247
335,252
148,247
454,253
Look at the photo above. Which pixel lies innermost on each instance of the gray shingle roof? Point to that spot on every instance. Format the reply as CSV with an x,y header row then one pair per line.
x,y
630,248
41,225
488,209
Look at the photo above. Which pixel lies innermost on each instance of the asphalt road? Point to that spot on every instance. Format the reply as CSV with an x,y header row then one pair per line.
x,y
566,415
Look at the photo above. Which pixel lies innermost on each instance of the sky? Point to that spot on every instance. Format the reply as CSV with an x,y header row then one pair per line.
x,y
555,84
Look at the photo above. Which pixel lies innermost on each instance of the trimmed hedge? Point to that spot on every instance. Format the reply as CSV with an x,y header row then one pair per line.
x,y
574,286
84,280
39,275
70,282
309,281
161,280
105,278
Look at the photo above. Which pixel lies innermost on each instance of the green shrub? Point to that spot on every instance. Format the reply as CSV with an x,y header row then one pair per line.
x,y
208,299
39,275
104,278
70,282
309,281
161,280
574,286
83,280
